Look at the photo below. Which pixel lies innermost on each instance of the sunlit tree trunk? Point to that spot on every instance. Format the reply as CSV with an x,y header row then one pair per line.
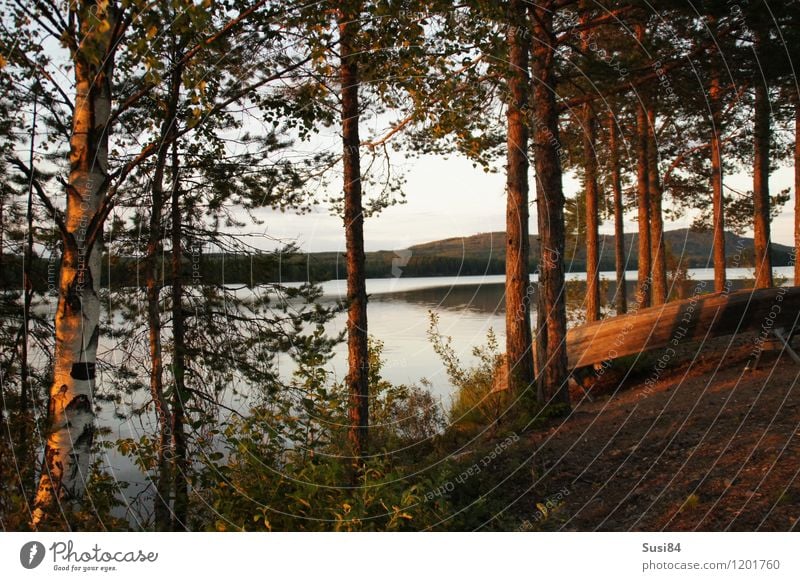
x,y
550,209
761,154
797,193
716,184
358,364
657,253
70,419
518,314
591,194
643,202
621,296
592,217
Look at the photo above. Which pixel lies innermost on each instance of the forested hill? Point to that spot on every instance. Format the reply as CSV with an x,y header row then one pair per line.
x,y
471,255
693,247
485,254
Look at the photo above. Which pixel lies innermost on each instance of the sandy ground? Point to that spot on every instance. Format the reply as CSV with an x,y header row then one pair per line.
x,y
709,446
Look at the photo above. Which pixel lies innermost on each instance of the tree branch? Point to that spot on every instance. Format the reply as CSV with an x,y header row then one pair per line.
x,y
40,193
148,86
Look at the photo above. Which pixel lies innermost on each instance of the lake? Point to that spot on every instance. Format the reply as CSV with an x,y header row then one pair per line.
x,y
399,316
467,306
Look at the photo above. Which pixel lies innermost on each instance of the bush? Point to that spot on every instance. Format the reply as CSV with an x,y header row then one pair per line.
x,y
474,405
286,465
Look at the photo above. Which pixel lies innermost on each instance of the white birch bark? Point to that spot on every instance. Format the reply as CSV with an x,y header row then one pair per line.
x,y
70,436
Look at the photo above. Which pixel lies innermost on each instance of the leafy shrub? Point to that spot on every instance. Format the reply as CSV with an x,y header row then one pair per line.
x,y
474,404
286,464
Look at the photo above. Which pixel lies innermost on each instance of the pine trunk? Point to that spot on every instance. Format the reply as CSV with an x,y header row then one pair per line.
x,y
550,209
590,191
70,418
643,201
761,155
592,218
2,238
621,296
518,313
27,286
715,95
657,253
180,394
358,357
162,510
797,193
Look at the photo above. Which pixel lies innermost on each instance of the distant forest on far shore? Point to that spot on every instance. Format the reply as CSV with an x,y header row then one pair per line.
x,y
481,254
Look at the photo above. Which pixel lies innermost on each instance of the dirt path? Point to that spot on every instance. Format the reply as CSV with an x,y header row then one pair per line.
x,y
709,447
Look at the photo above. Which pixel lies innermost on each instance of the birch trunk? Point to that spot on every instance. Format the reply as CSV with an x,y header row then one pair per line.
x,y
70,418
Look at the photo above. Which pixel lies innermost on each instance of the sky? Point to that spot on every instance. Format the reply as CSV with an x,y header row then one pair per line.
x,y
448,198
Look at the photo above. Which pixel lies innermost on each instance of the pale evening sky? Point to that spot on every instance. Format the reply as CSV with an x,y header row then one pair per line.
x,y
449,198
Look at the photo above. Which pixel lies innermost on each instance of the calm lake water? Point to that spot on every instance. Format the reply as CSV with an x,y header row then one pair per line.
x,y
468,306
399,315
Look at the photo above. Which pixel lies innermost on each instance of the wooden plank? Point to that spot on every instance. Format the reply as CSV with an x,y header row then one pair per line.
x,y
679,322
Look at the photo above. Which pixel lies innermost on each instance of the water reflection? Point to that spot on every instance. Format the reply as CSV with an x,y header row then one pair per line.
x,y
486,295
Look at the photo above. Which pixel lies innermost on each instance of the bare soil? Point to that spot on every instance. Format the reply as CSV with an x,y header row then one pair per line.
x,y
709,446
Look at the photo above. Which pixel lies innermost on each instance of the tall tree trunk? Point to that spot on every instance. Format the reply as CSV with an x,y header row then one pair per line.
x,y
70,432
643,202
643,290
797,193
358,364
621,296
657,253
592,217
180,394
761,155
591,194
550,210
518,313
27,286
162,512
715,96
163,488
2,238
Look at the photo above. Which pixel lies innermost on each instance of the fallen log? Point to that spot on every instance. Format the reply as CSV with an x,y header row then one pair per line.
x,y
680,322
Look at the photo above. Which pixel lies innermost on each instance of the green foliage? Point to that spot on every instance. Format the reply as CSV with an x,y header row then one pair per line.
x,y
104,507
284,465
474,406
401,416
245,93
